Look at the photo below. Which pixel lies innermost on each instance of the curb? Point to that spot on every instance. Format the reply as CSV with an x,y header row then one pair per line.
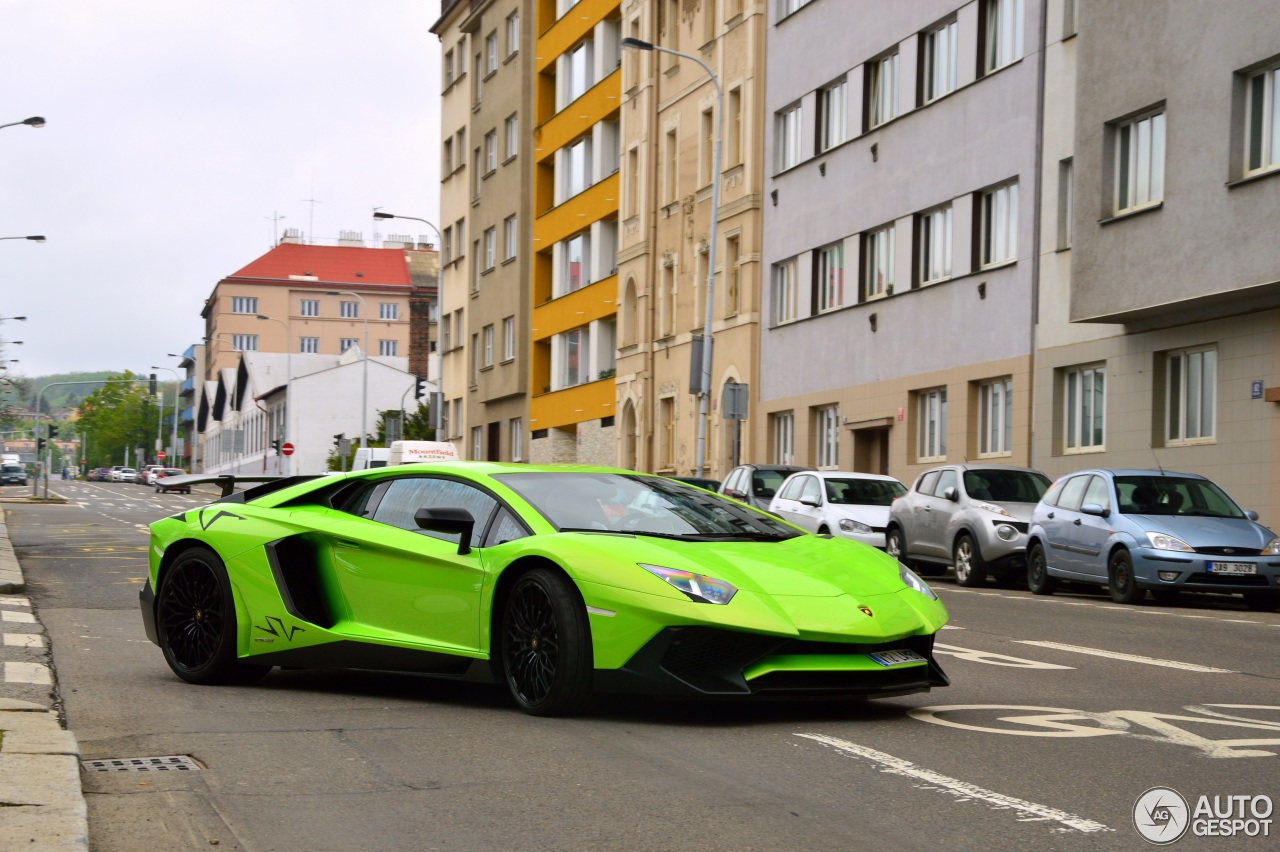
x,y
42,804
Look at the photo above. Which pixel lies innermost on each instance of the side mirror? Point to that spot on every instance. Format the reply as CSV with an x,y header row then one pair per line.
x,y
1095,509
951,494
809,501
448,520
1251,515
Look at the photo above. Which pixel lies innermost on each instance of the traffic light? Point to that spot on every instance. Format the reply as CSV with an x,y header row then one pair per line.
x,y
153,384
53,430
337,439
419,387
275,445
40,442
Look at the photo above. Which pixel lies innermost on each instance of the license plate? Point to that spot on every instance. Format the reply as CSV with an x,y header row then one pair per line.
x,y
896,658
1232,568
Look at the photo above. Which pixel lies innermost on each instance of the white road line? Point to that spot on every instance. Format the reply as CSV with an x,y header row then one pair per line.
x,y
10,600
17,617
962,790
1132,658
975,656
27,673
24,640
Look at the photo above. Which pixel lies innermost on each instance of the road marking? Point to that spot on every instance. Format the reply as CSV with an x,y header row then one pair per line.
x,y
17,617
11,600
962,790
24,640
976,656
27,673
1132,658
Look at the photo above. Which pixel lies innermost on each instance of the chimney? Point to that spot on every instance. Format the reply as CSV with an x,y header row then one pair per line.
x,y
354,239
292,235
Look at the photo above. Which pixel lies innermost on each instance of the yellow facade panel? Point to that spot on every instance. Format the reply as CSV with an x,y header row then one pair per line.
x,y
590,205
593,302
570,29
596,104
572,405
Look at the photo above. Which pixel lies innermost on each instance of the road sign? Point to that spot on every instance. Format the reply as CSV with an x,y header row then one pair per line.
x,y
160,455
286,448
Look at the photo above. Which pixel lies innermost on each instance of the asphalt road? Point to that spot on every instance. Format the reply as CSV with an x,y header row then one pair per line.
x,y
1062,712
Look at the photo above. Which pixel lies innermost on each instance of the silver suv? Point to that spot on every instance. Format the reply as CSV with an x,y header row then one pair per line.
x,y
972,516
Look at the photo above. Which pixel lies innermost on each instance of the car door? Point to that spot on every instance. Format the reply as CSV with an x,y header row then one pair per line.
x,y
787,504
913,518
400,582
806,509
1060,523
1090,533
938,510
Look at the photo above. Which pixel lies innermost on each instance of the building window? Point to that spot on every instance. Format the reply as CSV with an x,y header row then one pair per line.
x,y
244,304
474,356
733,275
935,245
828,270
735,126
346,343
477,442
388,348
309,344
672,182
1140,162
931,425
446,247
1262,121
1000,225
1084,408
508,338
782,431
244,342
786,291
577,72
1003,33
995,417
939,58
575,254
446,333
832,108
479,269
388,311
512,132
666,433
517,439
349,310
789,6
443,432
879,248
513,32
448,68
706,150
789,141
826,425
572,356
460,235
491,53
491,151
1191,394
488,346
667,302
510,237
632,198
309,308
882,90
460,146
490,247
577,167
1066,201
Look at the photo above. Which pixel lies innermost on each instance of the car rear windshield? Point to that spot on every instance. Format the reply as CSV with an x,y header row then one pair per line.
x,y
863,492
1174,495
646,505
12,468
1006,486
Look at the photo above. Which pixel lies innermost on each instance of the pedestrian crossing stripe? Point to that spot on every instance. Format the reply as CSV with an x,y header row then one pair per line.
x,y
11,600
27,673
17,617
24,640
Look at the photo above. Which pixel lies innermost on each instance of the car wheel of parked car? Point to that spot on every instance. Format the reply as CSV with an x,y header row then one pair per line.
x,y
970,570
1038,579
1262,601
546,645
196,622
1124,588
895,545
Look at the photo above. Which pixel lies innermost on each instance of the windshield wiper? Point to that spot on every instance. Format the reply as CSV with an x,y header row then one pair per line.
x,y
749,535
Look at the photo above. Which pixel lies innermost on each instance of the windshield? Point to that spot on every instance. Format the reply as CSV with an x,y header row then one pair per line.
x,y
1174,495
13,468
1006,486
863,492
645,505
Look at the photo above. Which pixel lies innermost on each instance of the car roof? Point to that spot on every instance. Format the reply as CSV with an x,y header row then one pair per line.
x,y
1135,471
847,474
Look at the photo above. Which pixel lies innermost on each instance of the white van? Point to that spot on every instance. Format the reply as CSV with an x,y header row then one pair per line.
x,y
370,457
409,452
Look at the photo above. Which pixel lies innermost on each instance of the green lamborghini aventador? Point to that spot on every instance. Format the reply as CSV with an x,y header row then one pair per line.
x,y
559,581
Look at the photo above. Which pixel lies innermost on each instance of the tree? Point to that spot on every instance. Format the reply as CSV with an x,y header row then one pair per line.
x,y
118,416
417,427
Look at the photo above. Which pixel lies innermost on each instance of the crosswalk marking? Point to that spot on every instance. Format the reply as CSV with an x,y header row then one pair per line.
x,y
17,617
27,673
11,600
24,640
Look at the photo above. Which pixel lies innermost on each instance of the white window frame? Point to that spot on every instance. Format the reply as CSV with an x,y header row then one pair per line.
x,y
244,304
931,425
880,247
517,439
828,269
1262,121
477,443
349,310
491,152
883,90
345,343
389,311
1004,33
1140,153
577,166
999,215
791,6
309,344
510,237
1066,201
490,248
388,348
790,137
565,279
995,417
941,49
491,52
782,425
1191,396
786,291
244,342
935,245
833,109
826,437
508,338
513,32
1084,409
512,132
309,307
487,339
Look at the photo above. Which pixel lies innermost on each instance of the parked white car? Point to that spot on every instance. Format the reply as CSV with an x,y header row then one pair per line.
x,y
123,474
843,503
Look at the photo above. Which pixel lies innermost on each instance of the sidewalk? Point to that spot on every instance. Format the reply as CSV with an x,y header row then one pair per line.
x,y
41,802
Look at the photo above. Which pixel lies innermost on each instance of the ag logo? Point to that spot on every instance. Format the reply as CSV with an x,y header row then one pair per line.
x,y
1161,815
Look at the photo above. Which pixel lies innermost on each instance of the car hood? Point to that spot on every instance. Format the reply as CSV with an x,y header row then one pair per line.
x,y
876,516
1207,532
1021,511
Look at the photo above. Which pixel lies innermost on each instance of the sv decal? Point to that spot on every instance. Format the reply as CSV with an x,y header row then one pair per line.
x,y
204,525
276,628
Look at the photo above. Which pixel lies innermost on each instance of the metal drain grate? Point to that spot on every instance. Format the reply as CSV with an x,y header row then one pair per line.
x,y
171,763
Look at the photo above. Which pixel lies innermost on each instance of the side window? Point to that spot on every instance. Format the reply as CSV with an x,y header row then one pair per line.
x,y
505,528
731,483
811,490
1055,490
930,479
948,479
1073,491
1097,492
791,491
361,501
404,497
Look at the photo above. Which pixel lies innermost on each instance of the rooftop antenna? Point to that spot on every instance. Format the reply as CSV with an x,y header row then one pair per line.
x,y
275,235
1157,458
311,221
377,238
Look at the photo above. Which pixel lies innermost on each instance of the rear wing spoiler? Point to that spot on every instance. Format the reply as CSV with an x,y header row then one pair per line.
x,y
229,481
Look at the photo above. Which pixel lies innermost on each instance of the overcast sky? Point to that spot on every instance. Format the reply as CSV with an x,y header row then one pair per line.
x,y
176,130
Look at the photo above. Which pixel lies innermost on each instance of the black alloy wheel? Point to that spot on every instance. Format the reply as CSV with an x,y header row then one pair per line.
x,y
1120,580
546,645
1038,579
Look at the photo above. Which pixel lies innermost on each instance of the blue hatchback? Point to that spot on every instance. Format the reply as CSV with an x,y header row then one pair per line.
x,y
1135,530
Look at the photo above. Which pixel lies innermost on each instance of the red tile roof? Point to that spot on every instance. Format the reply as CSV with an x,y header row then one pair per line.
x,y
332,264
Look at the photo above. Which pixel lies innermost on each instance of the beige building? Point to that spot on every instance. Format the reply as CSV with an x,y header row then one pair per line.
x,y
485,207
668,128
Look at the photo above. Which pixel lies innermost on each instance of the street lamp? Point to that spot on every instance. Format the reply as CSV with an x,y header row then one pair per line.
x,y
2,319
364,393
288,383
177,378
377,214
35,238
33,121
704,392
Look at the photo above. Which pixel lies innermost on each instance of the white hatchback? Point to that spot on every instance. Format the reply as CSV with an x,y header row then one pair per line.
x,y
123,474
843,503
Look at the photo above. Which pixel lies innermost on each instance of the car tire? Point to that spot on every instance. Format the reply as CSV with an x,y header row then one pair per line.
x,y
546,645
895,544
1120,580
970,569
196,622
1262,601
1038,579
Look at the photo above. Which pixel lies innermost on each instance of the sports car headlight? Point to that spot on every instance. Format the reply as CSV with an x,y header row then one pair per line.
x,y
699,588
992,507
1272,548
911,579
850,525
1160,541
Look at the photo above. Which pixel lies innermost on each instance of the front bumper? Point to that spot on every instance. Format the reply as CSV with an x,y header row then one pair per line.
x,y
1193,572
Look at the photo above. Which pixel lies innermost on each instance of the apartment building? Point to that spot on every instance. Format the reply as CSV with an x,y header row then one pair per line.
x,y
486,211
900,202
1160,347
577,86
190,393
669,125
